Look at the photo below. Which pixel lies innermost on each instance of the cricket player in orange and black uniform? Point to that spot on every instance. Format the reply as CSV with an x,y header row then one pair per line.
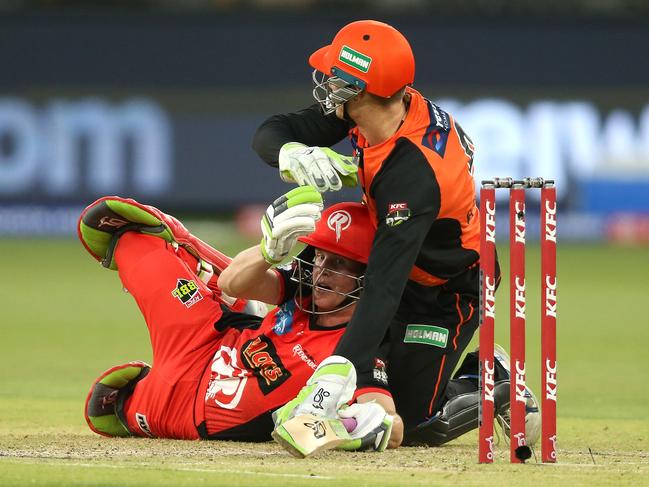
x,y
219,373
415,166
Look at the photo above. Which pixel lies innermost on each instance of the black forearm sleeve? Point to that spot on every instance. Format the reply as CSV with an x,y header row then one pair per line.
x,y
406,178
308,126
393,255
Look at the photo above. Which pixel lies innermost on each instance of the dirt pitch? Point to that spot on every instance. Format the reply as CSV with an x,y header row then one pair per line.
x,y
82,459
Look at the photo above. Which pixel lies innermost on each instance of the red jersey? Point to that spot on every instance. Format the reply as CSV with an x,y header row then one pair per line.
x,y
255,371
216,373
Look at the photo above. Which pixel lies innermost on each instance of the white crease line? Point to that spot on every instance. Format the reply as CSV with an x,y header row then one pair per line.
x,y
590,465
182,469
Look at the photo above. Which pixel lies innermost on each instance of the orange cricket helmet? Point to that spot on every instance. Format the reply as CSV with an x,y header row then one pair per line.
x,y
366,55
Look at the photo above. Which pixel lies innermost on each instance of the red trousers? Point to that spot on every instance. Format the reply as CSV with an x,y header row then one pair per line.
x,y
180,312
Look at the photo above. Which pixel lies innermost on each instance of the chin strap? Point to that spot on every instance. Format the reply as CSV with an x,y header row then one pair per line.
x,y
346,116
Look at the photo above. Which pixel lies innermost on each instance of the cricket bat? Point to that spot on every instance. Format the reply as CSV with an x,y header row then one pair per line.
x,y
306,434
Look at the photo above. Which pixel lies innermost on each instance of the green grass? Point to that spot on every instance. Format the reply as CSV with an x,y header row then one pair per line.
x,y
65,319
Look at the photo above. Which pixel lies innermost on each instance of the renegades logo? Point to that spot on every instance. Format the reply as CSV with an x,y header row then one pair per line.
x,y
397,214
260,355
338,221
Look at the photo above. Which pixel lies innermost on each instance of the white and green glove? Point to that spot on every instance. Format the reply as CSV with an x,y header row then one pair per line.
x,y
368,425
319,167
290,216
310,422
332,384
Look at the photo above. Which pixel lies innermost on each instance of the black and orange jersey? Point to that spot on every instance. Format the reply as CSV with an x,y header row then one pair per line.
x,y
425,168
420,189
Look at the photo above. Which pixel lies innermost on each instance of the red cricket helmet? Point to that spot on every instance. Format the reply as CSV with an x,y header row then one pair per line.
x,y
345,229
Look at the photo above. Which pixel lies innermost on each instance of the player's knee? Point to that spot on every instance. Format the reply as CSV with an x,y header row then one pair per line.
x,y
107,395
134,245
458,416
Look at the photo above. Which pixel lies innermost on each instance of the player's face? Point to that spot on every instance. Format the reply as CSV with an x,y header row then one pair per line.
x,y
353,105
333,276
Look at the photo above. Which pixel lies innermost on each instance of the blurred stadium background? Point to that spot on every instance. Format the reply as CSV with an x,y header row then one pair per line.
x,y
159,99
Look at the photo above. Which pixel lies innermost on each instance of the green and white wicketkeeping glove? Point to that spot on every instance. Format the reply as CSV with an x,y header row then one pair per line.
x,y
320,167
372,427
310,422
332,384
290,216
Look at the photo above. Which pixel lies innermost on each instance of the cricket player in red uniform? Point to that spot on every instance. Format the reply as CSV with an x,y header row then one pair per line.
x,y
219,373
415,166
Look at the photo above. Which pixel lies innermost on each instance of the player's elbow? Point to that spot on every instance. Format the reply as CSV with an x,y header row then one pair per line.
x,y
265,145
227,282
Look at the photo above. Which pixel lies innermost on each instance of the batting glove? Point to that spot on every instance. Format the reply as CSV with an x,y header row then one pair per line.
x,y
319,167
288,217
369,427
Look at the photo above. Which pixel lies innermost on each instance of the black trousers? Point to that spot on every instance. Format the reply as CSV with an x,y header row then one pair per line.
x,y
427,338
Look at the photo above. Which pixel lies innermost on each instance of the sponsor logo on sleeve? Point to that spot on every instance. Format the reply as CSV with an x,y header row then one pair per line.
x,y
379,373
286,267
187,292
436,135
440,117
427,335
284,318
397,214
